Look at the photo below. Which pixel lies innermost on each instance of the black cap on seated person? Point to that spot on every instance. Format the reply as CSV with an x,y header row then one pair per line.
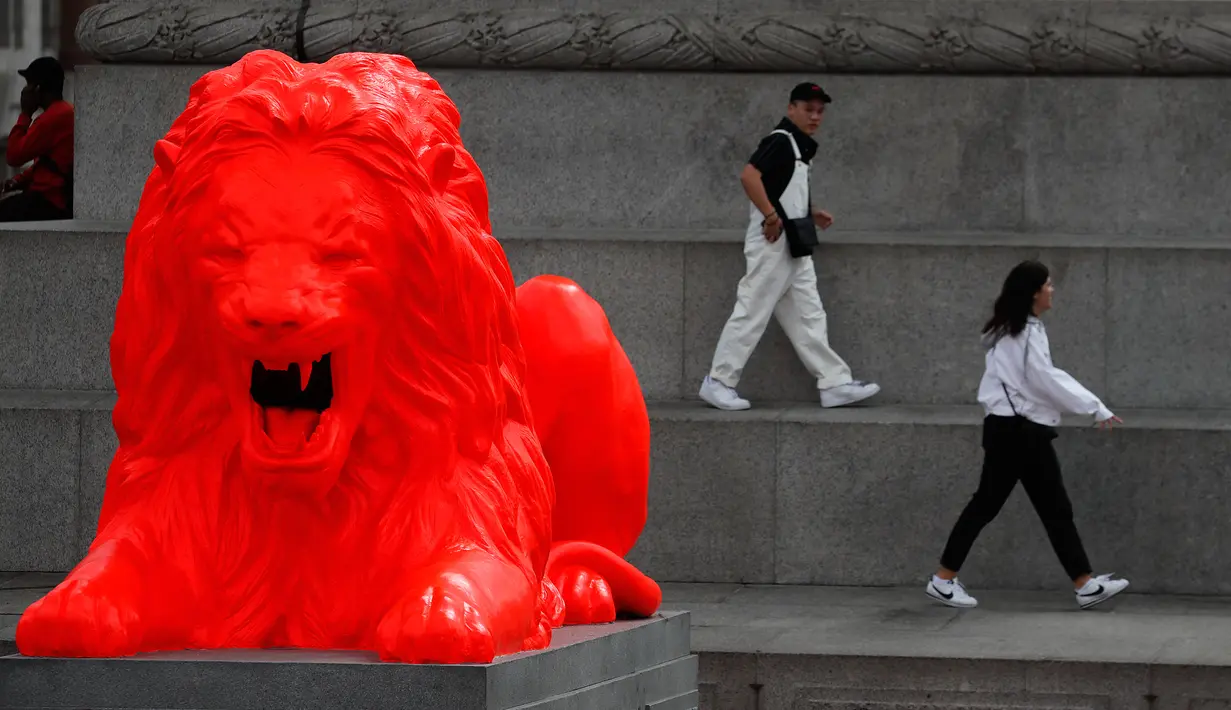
x,y
46,72
808,91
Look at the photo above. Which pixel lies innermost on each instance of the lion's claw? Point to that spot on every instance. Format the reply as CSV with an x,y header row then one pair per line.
x,y
439,625
587,596
79,619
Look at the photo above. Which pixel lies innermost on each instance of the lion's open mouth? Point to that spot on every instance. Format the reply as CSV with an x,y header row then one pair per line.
x,y
292,400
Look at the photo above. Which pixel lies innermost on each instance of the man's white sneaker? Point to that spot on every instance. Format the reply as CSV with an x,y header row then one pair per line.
x,y
716,394
950,593
1099,589
848,393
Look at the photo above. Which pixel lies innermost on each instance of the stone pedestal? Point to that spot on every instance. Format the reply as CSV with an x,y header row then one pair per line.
x,y
629,665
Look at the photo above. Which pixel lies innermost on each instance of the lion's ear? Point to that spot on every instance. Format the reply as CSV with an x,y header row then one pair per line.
x,y
165,154
438,163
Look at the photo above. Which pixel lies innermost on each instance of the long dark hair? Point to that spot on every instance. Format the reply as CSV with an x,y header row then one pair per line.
x,y
1016,301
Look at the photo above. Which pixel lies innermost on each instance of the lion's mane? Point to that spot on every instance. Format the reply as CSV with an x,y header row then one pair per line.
x,y
448,410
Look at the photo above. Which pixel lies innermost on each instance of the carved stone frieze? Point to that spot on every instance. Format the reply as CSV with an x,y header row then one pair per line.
x,y
937,36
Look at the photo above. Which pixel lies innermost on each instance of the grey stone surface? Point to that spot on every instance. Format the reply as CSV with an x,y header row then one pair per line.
x,y
18,591
868,497
1139,324
98,447
1065,36
1111,156
119,116
586,656
896,684
1160,529
59,290
908,153
727,681
711,513
905,317
1161,350
639,286
30,580
626,664
1191,686
56,448
38,476
795,495
839,647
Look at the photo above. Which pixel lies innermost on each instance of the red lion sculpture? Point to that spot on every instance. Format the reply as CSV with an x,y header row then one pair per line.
x,y
340,425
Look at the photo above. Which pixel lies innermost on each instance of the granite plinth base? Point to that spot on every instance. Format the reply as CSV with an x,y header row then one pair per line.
x,y
629,665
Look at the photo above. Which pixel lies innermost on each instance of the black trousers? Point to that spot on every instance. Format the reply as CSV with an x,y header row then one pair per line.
x,y
1016,449
30,207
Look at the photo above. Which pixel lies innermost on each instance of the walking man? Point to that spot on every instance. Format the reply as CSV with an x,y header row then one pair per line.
x,y
780,280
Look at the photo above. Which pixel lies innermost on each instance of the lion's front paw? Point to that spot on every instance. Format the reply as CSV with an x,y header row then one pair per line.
x,y
440,624
587,596
83,619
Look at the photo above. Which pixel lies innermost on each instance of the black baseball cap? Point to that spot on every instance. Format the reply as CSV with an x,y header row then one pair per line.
x,y
808,91
44,71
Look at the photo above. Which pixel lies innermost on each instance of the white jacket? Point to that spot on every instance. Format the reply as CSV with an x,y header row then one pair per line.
x,y
1040,391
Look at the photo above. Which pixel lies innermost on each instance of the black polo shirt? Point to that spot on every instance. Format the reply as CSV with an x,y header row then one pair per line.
x,y
776,161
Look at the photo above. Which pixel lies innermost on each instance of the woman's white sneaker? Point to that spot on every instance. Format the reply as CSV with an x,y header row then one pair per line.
x,y
848,393
716,394
950,593
1099,589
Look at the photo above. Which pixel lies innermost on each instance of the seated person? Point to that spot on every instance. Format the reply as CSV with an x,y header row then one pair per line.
x,y
44,190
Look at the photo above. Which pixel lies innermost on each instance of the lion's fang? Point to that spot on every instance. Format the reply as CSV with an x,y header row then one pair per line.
x,y
305,374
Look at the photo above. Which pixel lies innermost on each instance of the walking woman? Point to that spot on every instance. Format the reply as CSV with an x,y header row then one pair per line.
x,y
1023,395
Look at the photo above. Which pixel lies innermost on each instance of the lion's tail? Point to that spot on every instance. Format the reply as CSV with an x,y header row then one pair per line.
x,y
589,414
632,591
591,420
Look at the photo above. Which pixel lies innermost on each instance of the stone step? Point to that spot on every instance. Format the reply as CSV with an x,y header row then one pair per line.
x,y
780,647
1106,155
777,647
642,663
867,496
787,495
1140,320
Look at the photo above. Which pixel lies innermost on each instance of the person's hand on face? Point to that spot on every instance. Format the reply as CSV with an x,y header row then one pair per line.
x,y
29,100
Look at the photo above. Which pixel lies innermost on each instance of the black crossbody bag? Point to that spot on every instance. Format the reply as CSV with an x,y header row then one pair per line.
x,y
801,236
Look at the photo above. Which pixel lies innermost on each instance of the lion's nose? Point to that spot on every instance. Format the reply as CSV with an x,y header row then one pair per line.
x,y
273,315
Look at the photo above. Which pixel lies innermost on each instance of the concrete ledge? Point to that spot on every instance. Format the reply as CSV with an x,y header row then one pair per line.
x,y
944,36
867,497
846,237
780,648
626,664
833,237
789,495
927,415
902,622
904,309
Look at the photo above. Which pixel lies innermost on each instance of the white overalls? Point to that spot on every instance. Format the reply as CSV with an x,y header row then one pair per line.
x,y
776,284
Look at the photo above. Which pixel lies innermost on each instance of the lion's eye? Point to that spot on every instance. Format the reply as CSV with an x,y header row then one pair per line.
x,y
340,257
226,253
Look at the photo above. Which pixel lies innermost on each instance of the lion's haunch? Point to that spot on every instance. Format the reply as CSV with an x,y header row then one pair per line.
x,y
323,443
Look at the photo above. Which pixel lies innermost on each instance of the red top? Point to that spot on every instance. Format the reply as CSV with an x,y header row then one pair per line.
x,y
49,138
